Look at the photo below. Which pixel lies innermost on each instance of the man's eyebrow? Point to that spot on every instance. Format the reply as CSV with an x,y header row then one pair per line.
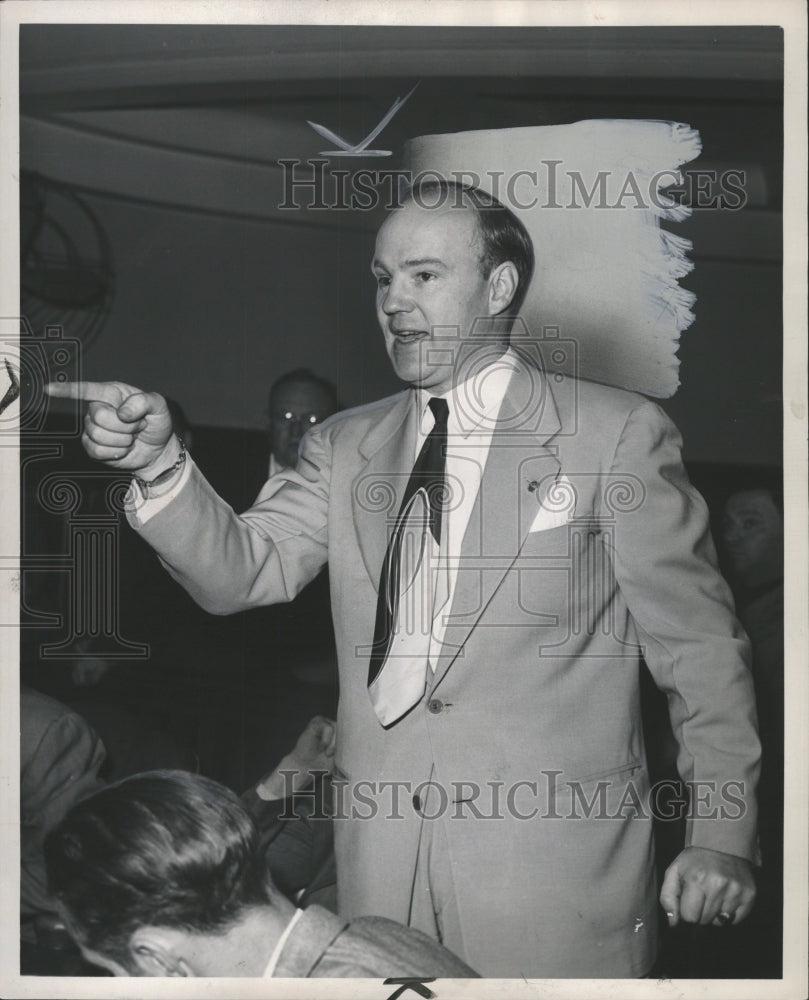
x,y
412,262
421,261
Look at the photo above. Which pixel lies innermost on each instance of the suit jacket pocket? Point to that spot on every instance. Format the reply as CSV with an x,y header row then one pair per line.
x,y
617,775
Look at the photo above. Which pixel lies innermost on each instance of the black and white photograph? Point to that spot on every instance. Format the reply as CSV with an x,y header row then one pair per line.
x,y
403,538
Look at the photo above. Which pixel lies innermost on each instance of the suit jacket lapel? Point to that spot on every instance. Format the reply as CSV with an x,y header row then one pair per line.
x,y
377,491
520,468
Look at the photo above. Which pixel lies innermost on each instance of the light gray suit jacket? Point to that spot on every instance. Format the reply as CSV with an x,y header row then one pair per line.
x,y
533,712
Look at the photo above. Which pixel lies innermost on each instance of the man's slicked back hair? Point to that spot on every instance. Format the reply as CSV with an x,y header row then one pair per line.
x,y
163,848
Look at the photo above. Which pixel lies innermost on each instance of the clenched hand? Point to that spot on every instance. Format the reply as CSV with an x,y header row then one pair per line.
x,y
702,886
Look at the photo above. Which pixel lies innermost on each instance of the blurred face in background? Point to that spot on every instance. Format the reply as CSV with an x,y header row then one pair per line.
x,y
294,408
753,534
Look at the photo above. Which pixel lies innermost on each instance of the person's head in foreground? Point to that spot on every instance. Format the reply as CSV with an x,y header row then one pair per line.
x,y
298,400
452,266
159,875
162,875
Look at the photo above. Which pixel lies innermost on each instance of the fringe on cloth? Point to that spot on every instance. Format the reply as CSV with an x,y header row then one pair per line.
x,y
592,195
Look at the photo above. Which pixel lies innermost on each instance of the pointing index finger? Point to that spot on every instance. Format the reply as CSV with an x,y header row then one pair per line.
x,y
92,392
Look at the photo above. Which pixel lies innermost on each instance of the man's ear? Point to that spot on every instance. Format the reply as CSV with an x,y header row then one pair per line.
x,y
161,951
503,283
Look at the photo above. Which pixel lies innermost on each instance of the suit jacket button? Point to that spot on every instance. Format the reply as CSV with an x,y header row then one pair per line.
x,y
435,705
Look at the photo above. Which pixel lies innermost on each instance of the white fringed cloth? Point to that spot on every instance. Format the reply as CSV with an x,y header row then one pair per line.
x,y
607,276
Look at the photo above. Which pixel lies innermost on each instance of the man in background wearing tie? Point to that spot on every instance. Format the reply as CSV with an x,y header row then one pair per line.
x,y
502,548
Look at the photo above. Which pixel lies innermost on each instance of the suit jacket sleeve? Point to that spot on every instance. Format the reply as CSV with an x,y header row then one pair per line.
x,y
665,564
229,562
295,834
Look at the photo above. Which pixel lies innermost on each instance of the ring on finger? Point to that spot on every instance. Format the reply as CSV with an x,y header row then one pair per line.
x,y
724,918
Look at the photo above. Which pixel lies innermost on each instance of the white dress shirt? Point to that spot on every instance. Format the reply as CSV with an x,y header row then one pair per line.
x,y
474,406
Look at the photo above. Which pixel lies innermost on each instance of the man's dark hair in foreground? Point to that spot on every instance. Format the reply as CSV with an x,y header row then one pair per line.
x,y
164,848
161,874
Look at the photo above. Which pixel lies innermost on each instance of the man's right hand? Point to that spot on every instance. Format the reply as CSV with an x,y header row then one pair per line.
x,y
124,427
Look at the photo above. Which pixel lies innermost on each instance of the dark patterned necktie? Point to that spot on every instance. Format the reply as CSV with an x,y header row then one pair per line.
x,y
397,674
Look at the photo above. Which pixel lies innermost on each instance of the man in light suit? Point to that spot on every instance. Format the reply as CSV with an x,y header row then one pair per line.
x,y
503,809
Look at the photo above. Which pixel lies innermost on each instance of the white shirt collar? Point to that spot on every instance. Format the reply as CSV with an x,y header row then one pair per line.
x,y
279,947
474,403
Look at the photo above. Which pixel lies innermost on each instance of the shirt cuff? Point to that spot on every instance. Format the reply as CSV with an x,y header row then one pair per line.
x,y
141,509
